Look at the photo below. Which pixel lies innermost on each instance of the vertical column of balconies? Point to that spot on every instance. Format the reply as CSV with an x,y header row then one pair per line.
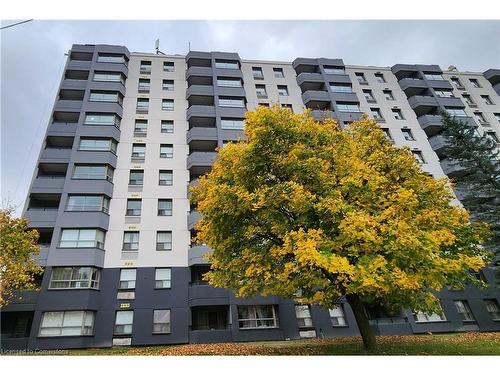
x,y
429,94
72,185
316,77
493,75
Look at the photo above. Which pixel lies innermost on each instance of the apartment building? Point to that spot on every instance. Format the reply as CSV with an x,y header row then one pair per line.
x,y
130,132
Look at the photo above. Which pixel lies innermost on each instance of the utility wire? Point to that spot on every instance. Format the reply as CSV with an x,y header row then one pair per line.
x,y
15,24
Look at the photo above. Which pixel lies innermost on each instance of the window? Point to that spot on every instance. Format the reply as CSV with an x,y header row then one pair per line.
x,y
74,278
136,177
340,87
138,151
257,72
127,278
458,112
142,105
227,64
167,126
380,78
228,101
260,90
161,321
479,117
163,278
166,178
166,151
497,115
369,96
492,308
421,317
278,73
101,119
456,82
164,241
133,207
487,99
303,314
377,115
333,69
74,238
282,90
93,172
337,316
433,76
145,67
168,66
144,85
260,316
361,78
348,107
493,136
97,203
444,93
407,134
464,311
229,82
468,99
66,323
418,155
475,82
264,104
388,95
164,207
130,241
167,85
167,104
105,96
398,115
141,128
97,144
387,134
123,322
232,123
108,77
111,58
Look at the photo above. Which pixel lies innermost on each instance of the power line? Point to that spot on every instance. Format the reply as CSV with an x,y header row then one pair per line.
x,y
15,24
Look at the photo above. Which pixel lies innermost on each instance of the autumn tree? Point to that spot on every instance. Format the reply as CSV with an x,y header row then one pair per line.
x,y
18,245
312,212
478,184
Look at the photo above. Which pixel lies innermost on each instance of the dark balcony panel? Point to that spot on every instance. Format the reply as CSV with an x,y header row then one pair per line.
x,y
195,74
413,86
438,144
423,105
231,91
90,187
206,295
439,84
41,217
76,257
47,185
345,97
62,129
210,336
112,67
492,75
55,155
105,131
107,86
196,255
305,78
200,111
452,168
337,78
59,142
319,114
404,71
349,116
84,219
451,102
316,96
99,107
431,124
79,64
198,59
233,73
73,84
305,65
68,105
231,112
201,133
193,218
199,90
231,135
201,159
86,50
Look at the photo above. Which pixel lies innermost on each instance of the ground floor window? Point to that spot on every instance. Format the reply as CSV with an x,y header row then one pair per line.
x,y
464,311
123,322
260,316
67,323
303,314
161,321
493,308
421,317
337,316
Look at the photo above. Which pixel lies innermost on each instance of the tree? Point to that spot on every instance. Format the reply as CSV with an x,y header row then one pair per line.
x,y
18,245
478,184
312,212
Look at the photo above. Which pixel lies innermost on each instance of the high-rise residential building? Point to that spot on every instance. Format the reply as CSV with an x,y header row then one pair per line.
x,y
130,132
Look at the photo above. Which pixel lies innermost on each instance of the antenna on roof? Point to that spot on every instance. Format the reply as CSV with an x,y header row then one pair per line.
x,y
189,46
157,47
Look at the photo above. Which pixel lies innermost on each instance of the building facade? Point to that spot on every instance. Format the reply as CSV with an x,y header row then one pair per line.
x,y
130,132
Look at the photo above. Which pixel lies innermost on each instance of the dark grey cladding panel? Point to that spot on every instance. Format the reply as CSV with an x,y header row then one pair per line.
x,y
337,78
200,111
231,135
89,48
68,105
199,133
334,62
75,257
440,84
492,75
149,297
199,71
106,86
62,129
349,116
92,157
73,84
313,95
231,91
198,55
200,90
231,112
210,336
235,73
304,61
55,155
225,55
22,300
79,65
207,295
451,102
409,83
41,218
309,77
89,186
103,107
429,68
345,97
100,131
110,67
48,185
83,219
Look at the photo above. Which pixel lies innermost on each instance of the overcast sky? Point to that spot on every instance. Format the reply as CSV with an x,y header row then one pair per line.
x,y
32,59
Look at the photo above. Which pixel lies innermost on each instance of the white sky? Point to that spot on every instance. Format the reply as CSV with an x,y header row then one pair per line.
x,y
32,58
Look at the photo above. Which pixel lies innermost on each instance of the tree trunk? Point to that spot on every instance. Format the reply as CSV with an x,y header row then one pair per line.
x,y
369,341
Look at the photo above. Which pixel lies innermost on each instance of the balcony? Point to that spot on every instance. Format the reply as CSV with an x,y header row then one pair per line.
x,y
305,65
201,134
205,295
304,78
316,99
55,155
319,114
42,209
197,75
196,254
202,111
345,97
199,90
450,102
431,124
492,75
193,218
452,168
422,105
74,83
438,144
404,71
413,86
349,116
198,59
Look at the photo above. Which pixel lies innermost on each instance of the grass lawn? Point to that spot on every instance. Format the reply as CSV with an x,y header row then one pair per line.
x,y
472,343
